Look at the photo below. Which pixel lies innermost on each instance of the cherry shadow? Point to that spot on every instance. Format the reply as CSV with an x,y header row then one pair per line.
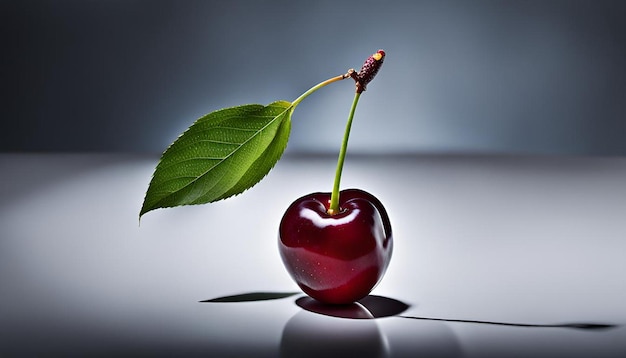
x,y
370,307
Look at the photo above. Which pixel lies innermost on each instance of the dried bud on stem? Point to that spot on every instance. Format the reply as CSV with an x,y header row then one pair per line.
x,y
368,70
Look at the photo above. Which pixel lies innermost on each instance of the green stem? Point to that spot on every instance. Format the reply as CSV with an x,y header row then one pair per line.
x,y
316,87
334,197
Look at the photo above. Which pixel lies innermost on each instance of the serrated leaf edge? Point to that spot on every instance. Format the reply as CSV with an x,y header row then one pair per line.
x,y
156,205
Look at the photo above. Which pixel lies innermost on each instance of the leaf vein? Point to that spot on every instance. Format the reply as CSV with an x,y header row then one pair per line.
x,y
234,151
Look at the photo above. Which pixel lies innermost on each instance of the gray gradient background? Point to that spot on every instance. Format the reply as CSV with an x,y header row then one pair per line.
x,y
543,77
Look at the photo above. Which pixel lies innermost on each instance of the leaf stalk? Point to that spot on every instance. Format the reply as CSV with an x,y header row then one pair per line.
x,y
320,85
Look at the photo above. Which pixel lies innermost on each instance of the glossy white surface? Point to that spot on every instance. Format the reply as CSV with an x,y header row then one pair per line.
x,y
499,239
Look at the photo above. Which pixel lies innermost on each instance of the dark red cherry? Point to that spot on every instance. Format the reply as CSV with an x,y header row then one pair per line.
x,y
336,258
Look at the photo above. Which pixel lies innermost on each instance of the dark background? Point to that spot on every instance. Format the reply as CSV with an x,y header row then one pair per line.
x,y
543,77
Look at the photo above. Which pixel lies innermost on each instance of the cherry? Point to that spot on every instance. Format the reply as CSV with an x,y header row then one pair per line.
x,y
337,245
336,258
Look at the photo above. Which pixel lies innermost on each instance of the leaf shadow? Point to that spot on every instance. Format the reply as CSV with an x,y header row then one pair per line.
x,y
251,297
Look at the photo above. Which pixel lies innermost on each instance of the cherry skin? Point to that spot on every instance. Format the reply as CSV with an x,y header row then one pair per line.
x,y
340,258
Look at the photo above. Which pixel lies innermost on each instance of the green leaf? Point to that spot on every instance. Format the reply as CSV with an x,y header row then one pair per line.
x,y
222,154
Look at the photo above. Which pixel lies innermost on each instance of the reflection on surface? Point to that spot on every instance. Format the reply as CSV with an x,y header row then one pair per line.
x,y
312,335
352,330
325,332
367,308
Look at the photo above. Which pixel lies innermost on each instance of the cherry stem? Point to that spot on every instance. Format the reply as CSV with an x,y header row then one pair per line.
x,y
334,197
